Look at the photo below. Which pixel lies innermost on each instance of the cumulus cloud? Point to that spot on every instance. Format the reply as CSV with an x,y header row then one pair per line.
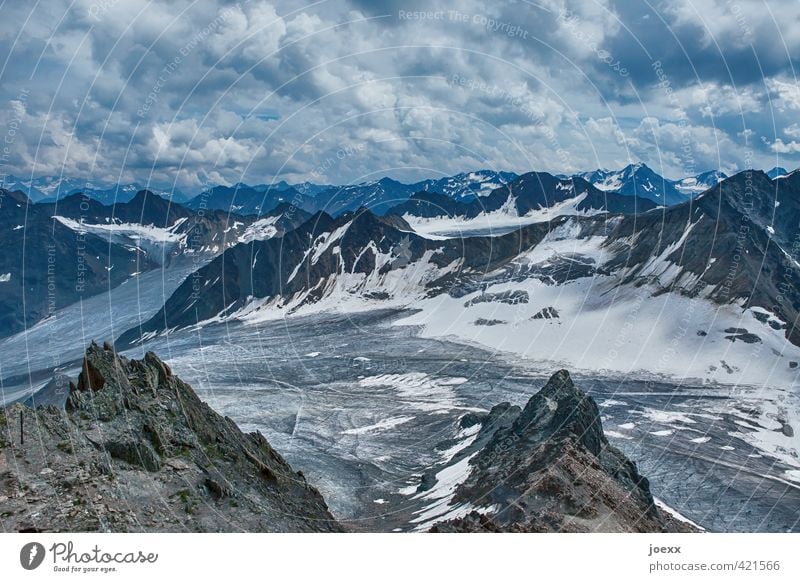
x,y
179,92
781,147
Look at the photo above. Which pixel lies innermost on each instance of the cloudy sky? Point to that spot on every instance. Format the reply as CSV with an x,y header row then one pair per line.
x,y
185,92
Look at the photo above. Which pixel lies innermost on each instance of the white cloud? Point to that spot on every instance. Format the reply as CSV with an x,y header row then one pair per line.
x,y
781,147
793,130
335,77
786,94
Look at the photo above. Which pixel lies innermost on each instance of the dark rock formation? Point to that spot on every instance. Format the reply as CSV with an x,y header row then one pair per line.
x,y
546,313
509,297
528,192
305,262
730,244
553,470
137,450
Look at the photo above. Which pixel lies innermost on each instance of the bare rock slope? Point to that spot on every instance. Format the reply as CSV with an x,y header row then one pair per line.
x,y
135,449
550,468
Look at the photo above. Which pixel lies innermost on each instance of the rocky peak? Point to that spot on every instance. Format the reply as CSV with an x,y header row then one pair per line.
x,y
552,469
17,196
560,410
135,449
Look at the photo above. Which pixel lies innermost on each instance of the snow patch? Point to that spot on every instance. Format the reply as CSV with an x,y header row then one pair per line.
x,y
379,426
675,513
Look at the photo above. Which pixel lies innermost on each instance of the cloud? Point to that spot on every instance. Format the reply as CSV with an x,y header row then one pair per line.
x,y
793,130
781,147
177,91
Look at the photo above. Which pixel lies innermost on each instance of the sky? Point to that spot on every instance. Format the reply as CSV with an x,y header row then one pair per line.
x,y
186,93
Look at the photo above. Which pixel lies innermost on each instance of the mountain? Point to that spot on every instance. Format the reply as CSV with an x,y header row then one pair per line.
x,y
725,259
377,196
44,187
355,256
467,185
60,252
636,180
168,229
527,195
704,291
700,183
158,226
46,264
777,172
547,467
310,189
52,188
137,450
729,244
250,200
537,190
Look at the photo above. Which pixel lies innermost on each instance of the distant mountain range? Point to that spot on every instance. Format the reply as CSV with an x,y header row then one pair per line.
x,y
379,195
98,246
634,180
52,188
529,198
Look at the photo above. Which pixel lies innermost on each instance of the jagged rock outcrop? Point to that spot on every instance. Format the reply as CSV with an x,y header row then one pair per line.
x,y
135,449
553,470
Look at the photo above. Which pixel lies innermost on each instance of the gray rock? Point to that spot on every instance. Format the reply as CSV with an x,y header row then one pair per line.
x,y
546,313
133,437
748,338
549,467
514,297
488,322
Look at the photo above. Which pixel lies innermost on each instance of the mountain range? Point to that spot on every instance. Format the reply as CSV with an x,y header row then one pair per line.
x,y
635,180
52,188
362,252
733,246
57,253
547,269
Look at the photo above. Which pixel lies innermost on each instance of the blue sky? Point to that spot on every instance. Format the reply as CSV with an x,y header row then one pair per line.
x,y
181,92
